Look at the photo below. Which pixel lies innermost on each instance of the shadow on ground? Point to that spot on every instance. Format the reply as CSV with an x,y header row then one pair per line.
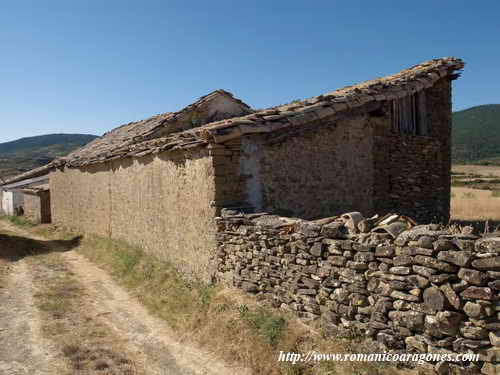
x,y
14,247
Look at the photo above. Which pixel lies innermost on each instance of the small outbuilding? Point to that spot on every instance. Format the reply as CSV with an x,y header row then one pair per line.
x,y
12,202
37,204
22,189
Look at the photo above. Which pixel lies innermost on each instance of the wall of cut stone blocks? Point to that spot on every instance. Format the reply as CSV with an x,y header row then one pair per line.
x,y
228,180
427,291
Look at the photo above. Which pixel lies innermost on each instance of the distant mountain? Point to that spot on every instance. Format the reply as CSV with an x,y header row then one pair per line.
x,y
476,135
31,152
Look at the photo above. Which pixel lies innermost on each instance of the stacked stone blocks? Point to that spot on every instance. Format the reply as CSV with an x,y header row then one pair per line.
x,y
426,291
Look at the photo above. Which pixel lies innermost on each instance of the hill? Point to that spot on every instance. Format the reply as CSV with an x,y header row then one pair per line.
x,y
31,152
476,135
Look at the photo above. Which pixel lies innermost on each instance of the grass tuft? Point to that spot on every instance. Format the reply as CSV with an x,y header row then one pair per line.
x,y
20,221
264,323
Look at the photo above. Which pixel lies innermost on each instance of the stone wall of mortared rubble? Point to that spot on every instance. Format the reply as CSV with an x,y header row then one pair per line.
x,y
37,207
426,291
350,162
412,173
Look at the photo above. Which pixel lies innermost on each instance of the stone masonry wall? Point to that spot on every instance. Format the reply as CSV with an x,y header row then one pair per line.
x,y
321,172
413,172
37,207
439,99
427,291
409,177
32,207
338,164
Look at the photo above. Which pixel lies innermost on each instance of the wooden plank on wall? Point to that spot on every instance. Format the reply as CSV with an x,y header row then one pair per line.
x,y
422,123
406,115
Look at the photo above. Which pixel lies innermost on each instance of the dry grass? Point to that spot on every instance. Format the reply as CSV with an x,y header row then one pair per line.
x,y
20,221
234,326
480,202
474,204
88,345
5,246
210,315
483,170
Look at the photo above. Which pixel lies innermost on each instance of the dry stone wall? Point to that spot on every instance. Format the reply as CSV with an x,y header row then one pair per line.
x,y
425,291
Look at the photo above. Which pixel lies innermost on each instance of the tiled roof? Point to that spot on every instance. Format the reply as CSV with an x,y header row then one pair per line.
x,y
406,82
34,173
126,136
114,143
140,138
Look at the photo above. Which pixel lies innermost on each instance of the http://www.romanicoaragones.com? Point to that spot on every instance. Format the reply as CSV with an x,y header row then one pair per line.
x,y
313,356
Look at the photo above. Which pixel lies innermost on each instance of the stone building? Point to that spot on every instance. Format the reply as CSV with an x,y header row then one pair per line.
x,y
382,145
12,197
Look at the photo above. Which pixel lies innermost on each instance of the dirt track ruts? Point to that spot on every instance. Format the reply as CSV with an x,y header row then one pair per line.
x,y
143,339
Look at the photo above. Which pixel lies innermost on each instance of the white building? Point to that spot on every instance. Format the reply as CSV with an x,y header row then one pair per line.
x,y
12,199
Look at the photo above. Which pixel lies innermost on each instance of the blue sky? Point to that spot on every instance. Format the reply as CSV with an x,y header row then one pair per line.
x,y
89,66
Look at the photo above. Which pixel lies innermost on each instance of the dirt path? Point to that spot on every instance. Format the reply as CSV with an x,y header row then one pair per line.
x,y
90,323
23,349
